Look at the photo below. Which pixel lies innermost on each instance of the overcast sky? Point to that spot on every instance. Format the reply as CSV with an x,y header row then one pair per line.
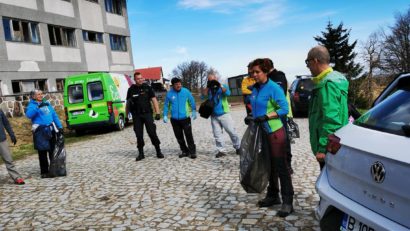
x,y
228,34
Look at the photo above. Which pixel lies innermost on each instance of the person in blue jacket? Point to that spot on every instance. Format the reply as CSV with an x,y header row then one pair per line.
x,y
220,118
181,102
42,116
268,106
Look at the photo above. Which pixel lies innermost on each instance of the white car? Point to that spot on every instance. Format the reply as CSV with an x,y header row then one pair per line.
x,y
365,184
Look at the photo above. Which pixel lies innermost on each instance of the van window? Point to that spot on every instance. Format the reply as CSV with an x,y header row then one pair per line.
x,y
95,91
75,93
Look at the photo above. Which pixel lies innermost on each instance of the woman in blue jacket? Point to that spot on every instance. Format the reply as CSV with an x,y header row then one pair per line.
x,y
268,106
42,116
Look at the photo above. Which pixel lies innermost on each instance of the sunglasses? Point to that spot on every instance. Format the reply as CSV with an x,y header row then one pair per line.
x,y
307,61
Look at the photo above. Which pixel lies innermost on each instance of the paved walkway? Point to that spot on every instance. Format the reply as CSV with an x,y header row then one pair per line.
x,y
107,189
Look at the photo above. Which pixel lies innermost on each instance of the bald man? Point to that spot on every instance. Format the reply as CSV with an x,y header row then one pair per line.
x,y
328,110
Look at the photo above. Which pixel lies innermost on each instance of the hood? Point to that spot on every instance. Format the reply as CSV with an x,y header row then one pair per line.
x,y
336,77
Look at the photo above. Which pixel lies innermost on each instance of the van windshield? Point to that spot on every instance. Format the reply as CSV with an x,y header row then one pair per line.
x,y
95,91
75,93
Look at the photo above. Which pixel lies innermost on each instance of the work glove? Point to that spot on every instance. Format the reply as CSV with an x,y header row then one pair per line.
x,y
193,116
261,119
165,118
61,130
157,116
247,120
43,104
13,139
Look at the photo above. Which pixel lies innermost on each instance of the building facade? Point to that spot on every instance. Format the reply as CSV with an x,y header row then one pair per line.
x,y
43,41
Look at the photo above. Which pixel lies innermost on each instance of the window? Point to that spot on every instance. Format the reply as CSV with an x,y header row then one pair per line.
x,y
60,84
115,6
62,36
21,31
391,115
75,93
93,36
24,86
95,91
118,43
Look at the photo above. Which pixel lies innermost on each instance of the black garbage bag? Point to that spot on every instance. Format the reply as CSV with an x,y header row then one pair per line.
x,y
58,163
254,160
293,130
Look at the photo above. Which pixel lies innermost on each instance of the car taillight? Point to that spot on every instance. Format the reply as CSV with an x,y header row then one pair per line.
x,y
66,113
109,106
333,144
296,97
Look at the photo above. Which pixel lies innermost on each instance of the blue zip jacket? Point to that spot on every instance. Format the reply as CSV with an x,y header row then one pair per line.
x,y
221,105
42,116
267,98
181,103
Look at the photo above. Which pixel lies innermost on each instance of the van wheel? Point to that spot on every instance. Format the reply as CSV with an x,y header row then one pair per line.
x,y
120,125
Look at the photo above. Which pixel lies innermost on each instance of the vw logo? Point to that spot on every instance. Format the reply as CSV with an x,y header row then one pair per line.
x,y
378,172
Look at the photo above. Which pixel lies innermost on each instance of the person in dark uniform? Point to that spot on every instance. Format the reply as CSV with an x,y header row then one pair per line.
x,y
139,98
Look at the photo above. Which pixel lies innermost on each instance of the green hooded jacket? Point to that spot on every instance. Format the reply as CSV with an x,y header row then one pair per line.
x,y
328,110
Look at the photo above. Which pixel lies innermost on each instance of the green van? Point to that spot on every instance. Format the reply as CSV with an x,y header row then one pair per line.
x,y
94,100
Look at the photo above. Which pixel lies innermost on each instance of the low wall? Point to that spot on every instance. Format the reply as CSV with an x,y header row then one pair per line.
x,y
15,105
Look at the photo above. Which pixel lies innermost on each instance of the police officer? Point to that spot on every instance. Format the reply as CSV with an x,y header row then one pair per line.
x,y
139,98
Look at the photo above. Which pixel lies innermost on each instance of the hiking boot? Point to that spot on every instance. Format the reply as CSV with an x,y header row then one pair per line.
x,y
269,201
285,210
193,155
45,175
183,154
19,181
159,153
140,157
238,151
220,154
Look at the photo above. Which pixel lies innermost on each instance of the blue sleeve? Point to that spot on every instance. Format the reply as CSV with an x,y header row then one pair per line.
x,y
227,92
166,105
191,101
280,98
31,111
55,117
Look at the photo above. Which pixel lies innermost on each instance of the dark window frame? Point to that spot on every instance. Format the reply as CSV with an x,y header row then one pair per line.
x,y
116,7
88,36
17,30
89,91
69,95
118,43
38,84
62,36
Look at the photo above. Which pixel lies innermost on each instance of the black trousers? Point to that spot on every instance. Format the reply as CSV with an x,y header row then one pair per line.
x,y
180,128
139,121
43,159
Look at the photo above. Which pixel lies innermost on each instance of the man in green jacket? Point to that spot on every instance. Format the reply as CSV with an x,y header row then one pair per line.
x,y
328,109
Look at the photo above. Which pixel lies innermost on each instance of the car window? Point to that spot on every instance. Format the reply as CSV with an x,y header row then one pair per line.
x,y
391,115
95,91
305,85
75,93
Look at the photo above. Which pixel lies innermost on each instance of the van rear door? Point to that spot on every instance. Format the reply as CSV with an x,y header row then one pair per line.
x,y
97,107
76,105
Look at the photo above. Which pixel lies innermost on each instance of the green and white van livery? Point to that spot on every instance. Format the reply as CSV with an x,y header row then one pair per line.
x,y
94,100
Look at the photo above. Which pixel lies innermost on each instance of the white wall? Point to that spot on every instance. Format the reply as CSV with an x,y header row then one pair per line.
x,y
91,16
65,54
59,7
120,57
116,20
122,68
96,57
32,4
25,52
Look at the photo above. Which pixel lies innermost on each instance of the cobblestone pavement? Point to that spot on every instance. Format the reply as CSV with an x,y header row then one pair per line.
x,y
107,189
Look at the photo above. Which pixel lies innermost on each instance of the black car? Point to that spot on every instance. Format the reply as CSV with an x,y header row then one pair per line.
x,y
300,91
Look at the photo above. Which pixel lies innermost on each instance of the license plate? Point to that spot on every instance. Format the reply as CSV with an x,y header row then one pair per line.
x,y
350,223
74,113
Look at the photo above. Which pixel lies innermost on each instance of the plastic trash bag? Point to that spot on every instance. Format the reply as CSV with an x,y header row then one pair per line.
x,y
254,160
58,163
293,129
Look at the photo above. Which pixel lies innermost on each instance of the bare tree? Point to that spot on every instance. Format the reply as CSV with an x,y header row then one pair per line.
x,y
371,54
396,46
192,74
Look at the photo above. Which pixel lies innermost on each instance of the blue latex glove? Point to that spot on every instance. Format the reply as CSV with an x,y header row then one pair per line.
x,y
193,116
165,118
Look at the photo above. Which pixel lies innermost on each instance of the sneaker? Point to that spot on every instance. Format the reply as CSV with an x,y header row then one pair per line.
x,y
269,201
160,155
45,175
193,155
285,210
220,154
139,157
183,154
19,181
238,151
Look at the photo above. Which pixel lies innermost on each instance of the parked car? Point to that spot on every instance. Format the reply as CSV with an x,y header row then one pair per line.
x,y
299,93
365,183
94,100
159,90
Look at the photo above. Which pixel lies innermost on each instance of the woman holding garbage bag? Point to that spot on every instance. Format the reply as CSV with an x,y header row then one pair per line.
x,y
43,116
268,105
